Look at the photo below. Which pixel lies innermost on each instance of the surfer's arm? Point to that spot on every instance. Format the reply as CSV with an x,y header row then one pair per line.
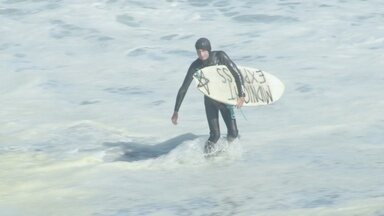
x,y
235,72
182,92
184,87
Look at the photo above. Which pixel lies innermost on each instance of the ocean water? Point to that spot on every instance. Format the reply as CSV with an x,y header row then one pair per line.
x,y
87,89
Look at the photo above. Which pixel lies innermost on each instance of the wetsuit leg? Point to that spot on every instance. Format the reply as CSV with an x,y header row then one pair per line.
x,y
228,115
212,111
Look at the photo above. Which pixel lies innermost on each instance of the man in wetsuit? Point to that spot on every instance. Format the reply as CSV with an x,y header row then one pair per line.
x,y
206,57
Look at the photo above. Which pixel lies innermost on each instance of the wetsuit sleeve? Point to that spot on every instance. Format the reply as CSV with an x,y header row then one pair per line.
x,y
184,87
234,71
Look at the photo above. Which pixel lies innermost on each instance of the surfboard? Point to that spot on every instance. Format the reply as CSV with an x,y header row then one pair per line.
x,y
260,87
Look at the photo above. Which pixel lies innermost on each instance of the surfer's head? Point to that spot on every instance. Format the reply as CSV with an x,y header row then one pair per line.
x,y
203,48
204,44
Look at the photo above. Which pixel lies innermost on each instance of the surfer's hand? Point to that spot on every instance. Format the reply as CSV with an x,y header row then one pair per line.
x,y
174,118
240,102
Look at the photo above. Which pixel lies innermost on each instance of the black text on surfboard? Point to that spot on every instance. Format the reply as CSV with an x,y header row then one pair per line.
x,y
218,83
203,81
227,78
253,94
262,92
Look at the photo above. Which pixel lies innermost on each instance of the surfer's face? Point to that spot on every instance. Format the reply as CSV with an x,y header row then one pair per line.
x,y
203,54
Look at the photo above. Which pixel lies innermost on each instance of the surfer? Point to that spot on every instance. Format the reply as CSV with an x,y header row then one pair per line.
x,y
206,57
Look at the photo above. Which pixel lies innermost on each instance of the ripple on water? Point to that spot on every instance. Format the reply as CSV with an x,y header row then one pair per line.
x,y
263,18
127,20
199,3
129,90
11,12
61,29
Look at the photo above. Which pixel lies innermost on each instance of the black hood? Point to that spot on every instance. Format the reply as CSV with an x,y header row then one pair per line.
x,y
204,44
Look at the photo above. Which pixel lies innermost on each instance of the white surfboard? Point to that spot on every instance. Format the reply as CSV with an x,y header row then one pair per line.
x,y
217,82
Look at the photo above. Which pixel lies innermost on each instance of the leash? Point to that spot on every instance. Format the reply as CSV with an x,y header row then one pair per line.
x,y
242,113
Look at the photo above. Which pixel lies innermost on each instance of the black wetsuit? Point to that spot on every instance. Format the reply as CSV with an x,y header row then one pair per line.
x,y
213,107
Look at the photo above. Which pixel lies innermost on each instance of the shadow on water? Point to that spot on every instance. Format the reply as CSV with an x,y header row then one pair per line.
x,y
134,151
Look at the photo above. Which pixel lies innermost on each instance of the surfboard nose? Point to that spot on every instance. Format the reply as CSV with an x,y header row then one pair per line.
x,y
277,87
